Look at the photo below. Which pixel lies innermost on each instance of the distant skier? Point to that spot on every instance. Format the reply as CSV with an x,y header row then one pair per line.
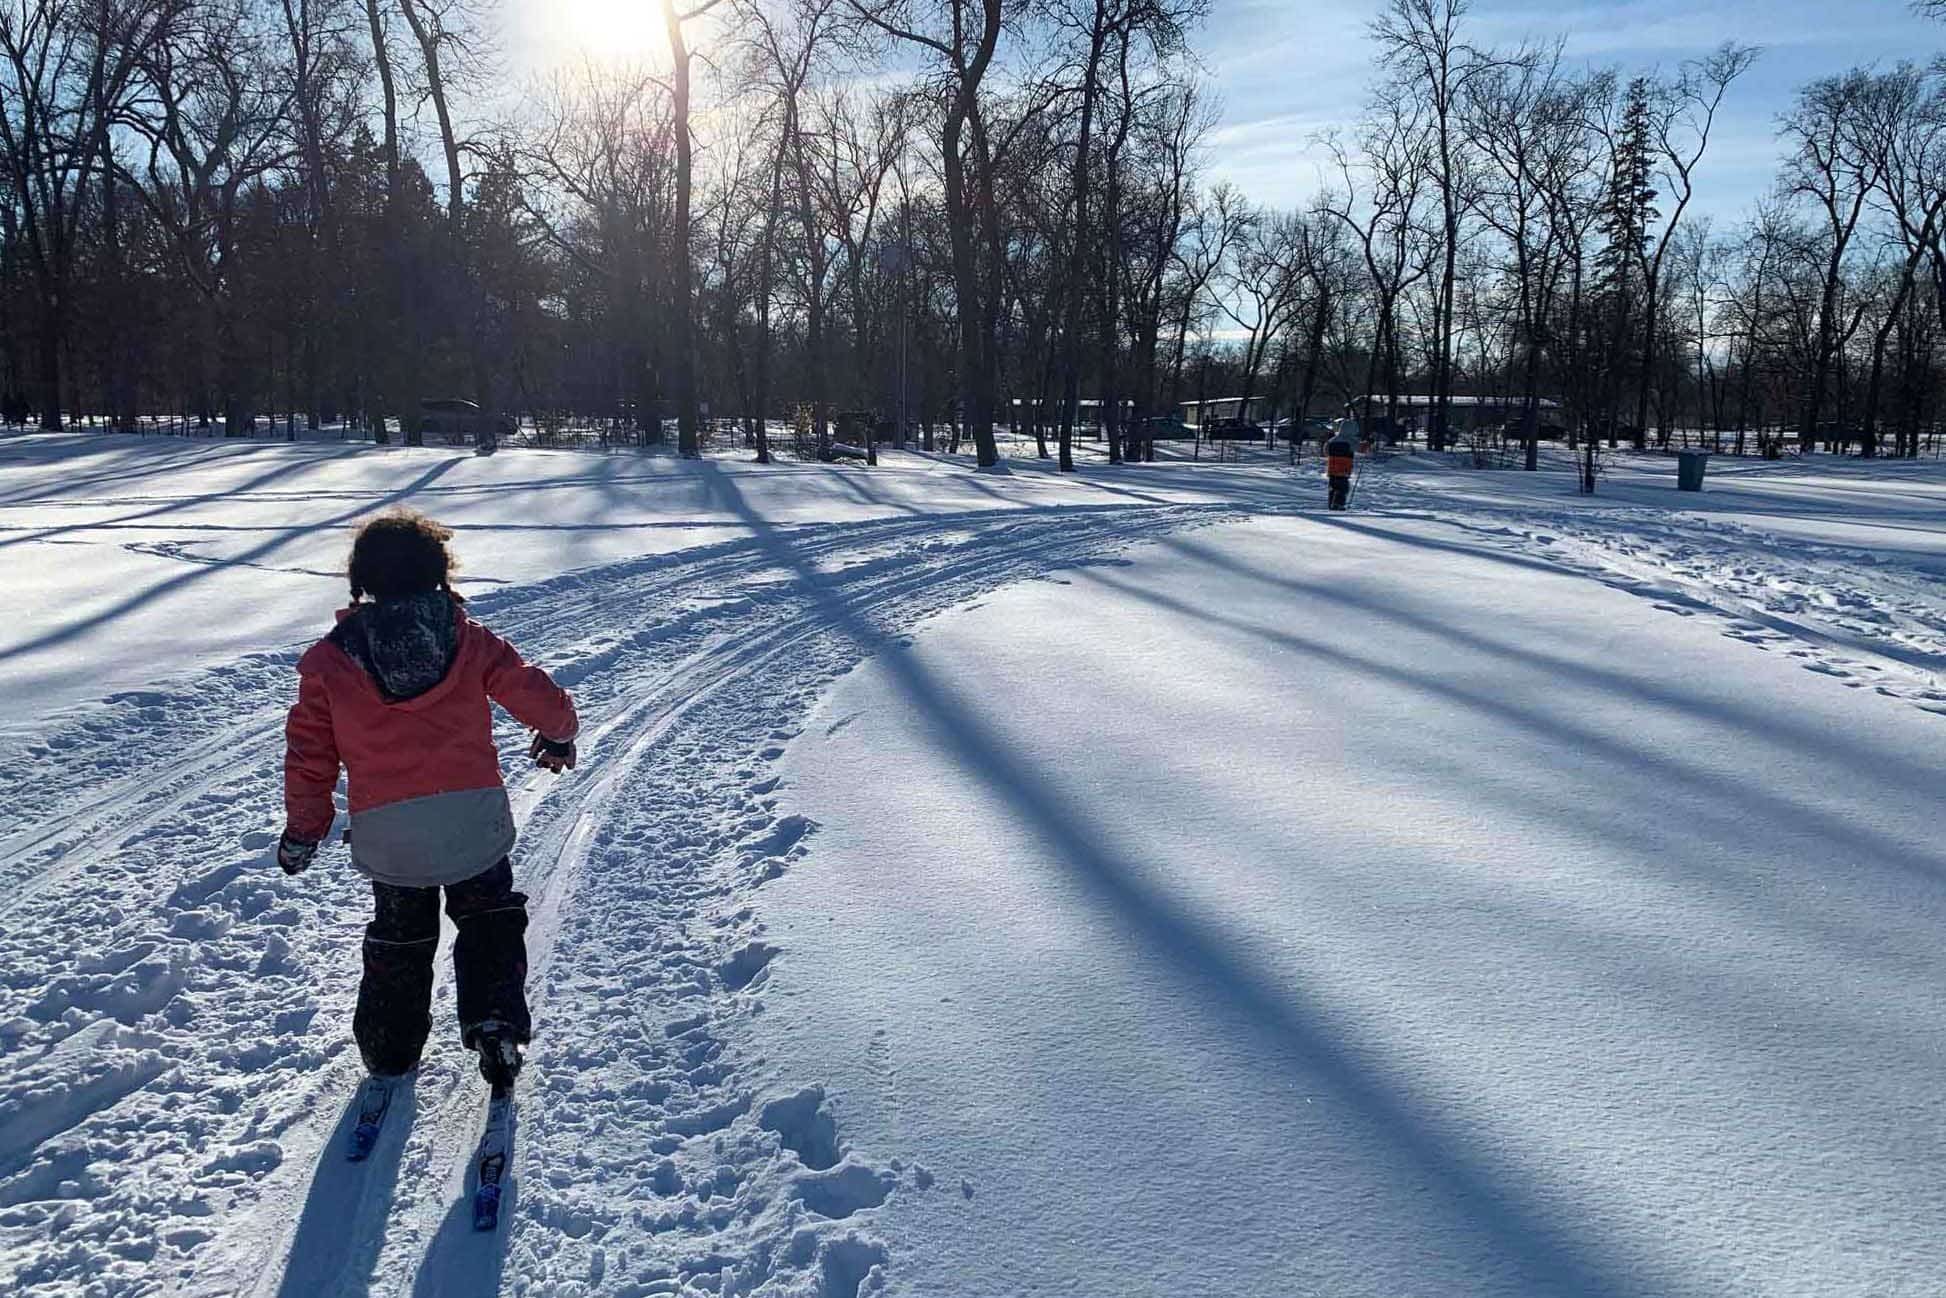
x,y
1338,462
398,694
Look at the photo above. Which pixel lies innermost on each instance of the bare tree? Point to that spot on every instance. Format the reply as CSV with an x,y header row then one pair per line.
x,y
66,68
1421,42
318,62
1906,142
1264,289
1169,140
688,407
865,137
1832,166
1386,225
963,35
787,55
211,115
596,151
1686,116
1520,117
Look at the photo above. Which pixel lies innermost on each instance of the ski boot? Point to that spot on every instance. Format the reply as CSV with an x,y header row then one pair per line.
x,y
499,1053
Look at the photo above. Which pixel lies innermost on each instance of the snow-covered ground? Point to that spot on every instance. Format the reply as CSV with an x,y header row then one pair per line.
x,y
133,557
1190,893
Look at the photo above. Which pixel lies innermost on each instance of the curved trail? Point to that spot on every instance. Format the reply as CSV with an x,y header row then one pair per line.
x,y
181,1065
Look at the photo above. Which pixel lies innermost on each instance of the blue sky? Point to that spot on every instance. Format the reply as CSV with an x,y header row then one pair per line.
x,y
1286,69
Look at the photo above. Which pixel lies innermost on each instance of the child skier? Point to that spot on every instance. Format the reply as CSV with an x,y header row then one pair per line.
x,y
398,694
1338,462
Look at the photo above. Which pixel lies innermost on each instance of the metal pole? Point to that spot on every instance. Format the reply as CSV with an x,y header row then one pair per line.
x,y
905,313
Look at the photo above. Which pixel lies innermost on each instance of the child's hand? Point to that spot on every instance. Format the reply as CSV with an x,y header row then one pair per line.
x,y
294,854
551,756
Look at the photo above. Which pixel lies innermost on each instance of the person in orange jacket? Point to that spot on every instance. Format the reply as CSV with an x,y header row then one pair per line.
x,y
1338,462
399,696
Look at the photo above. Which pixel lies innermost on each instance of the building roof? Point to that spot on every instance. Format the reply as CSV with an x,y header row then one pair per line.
x,y
1419,400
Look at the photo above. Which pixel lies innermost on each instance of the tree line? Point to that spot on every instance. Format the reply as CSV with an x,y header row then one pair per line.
x,y
953,213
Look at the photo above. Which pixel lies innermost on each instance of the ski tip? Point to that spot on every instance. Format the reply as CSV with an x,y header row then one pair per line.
x,y
486,1207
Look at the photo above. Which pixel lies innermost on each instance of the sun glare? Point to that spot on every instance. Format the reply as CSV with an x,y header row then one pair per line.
x,y
608,30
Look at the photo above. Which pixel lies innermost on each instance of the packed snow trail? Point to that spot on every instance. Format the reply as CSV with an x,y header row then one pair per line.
x,y
126,552
179,1077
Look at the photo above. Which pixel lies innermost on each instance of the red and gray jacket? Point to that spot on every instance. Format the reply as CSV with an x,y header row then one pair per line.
x,y
400,695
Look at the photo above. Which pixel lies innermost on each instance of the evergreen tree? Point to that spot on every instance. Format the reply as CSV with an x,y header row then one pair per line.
x,y
1628,207
1621,266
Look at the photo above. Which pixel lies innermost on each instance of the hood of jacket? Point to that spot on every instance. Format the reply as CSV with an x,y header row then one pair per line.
x,y
406,646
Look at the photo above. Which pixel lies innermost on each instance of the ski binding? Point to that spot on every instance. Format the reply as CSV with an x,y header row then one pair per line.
x,y
374,1101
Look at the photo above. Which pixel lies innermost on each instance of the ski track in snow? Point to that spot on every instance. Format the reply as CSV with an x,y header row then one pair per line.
x,y
174,1013
1866,619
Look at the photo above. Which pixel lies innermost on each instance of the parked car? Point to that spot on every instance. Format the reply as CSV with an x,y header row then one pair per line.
x,y
456,421
1233,430
1163,428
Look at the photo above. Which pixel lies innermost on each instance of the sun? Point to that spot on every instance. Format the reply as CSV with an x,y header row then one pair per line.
x,y
607,30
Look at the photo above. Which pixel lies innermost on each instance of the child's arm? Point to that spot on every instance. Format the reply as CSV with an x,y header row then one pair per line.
x,y
528,693
310,763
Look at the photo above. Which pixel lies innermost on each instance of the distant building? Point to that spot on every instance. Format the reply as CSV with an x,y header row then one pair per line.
x,y
1223,410
1088,415
1467,412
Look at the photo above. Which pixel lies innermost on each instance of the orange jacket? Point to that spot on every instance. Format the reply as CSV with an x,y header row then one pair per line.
x,y
423,750
1338,466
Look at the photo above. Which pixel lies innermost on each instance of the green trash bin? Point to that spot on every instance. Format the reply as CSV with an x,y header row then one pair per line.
x,y
1689,469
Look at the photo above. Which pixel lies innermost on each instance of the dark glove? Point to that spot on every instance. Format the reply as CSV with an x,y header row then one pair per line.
x,y
551,756
294,854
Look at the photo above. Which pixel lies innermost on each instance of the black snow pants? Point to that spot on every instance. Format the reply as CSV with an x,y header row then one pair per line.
x,y
394,1014
1340,490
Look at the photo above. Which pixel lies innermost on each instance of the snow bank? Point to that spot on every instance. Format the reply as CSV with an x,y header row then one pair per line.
x,y
1351,906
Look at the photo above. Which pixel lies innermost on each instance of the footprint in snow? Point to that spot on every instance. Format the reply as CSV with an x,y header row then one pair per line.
x,y
838,1192
783,834
805,1125
746,966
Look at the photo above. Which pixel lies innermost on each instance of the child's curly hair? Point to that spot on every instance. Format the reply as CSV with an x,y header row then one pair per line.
x,y
401,553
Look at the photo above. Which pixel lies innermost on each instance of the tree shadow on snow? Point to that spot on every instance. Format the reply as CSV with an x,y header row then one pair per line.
x,y
342,1226
1701,699
1781,872
196,572
1480,1190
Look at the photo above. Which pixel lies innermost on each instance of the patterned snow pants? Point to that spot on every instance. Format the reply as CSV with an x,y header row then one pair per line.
x,y
394,1014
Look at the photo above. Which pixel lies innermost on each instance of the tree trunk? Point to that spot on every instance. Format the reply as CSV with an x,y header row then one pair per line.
x,y
436,89
688,410
815,376
50,348
987,207
1078,242
966,275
